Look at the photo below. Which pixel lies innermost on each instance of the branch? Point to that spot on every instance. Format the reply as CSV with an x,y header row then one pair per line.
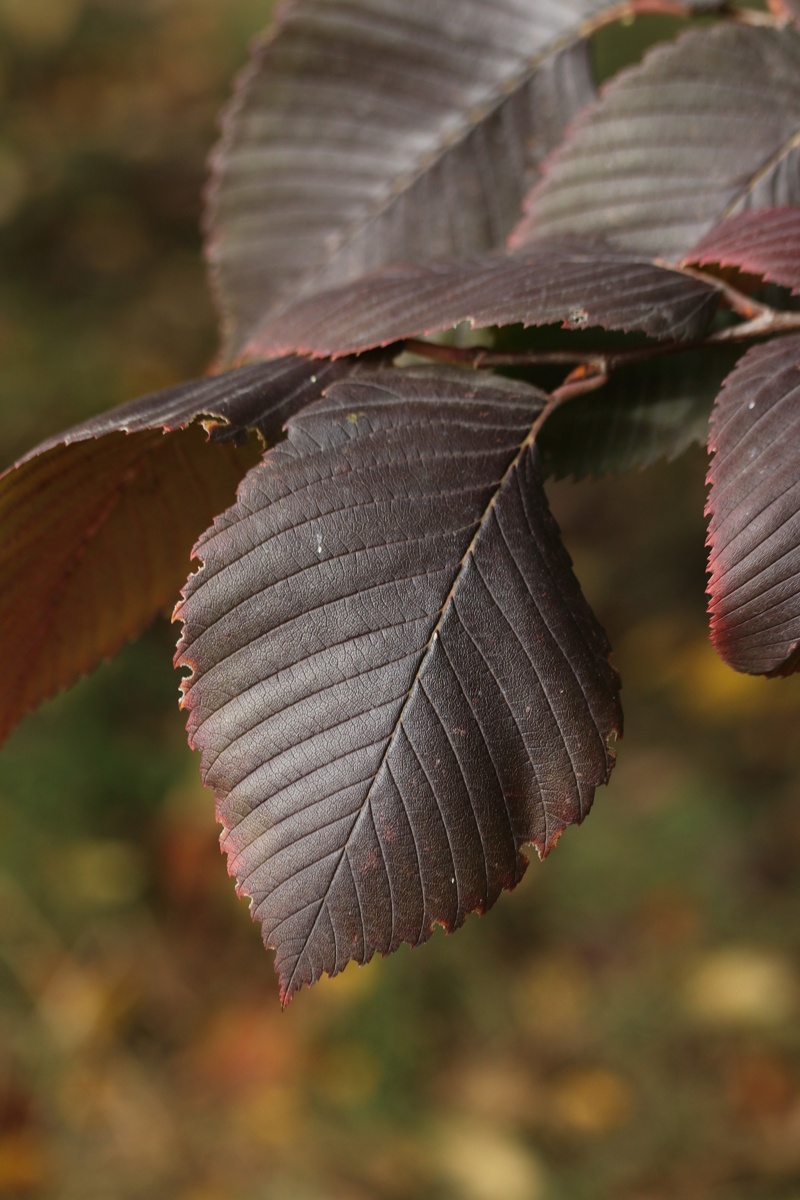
x,y
484,356
738,302
768,322
626,10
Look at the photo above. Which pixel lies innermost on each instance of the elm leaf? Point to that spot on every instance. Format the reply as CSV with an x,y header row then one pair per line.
x,y
765,242
365,133
704,128
97,523
395,679
579,285
754,510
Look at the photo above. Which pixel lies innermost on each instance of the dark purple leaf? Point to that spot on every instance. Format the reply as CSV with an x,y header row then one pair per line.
x,y
754,506
96,531
765,242
396,681
577,286
261,396
366,132
703,129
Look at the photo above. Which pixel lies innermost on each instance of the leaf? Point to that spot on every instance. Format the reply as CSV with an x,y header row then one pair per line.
x,y
396,681
577,285
754,509
260,396
702,129
648,411
765,243
95,535
365,133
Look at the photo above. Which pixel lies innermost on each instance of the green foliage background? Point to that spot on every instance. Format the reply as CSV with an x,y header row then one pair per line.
x,y
625,1027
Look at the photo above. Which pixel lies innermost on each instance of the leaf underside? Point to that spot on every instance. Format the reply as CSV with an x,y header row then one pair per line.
x,y
578,285
366,133
754,508
96,540
702,129
396,682
648,411
261,396
98,530
765,243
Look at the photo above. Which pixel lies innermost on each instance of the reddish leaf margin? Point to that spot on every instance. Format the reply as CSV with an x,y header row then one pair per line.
x,y
754,511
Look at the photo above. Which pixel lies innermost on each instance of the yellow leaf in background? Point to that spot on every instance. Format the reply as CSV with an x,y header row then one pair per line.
x,y
482,1163
23,1169
592,1101
744,986
40,24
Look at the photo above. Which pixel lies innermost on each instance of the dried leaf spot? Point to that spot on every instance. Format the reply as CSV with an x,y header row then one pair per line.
x,y
577,318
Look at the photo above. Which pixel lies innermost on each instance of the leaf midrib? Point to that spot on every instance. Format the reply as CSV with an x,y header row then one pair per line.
x,y
415,686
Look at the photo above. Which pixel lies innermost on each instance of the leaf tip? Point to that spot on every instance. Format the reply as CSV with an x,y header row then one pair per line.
x,y
544,846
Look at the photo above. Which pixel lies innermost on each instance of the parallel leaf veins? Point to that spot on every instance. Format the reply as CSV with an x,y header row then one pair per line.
x,y
754,506
396,682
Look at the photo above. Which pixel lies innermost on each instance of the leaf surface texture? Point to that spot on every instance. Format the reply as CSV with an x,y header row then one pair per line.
x,y
98,522
754,509
367,131
396,681
577,286
702,129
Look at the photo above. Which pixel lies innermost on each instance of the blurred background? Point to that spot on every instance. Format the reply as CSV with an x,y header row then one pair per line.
x,y
626,1026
